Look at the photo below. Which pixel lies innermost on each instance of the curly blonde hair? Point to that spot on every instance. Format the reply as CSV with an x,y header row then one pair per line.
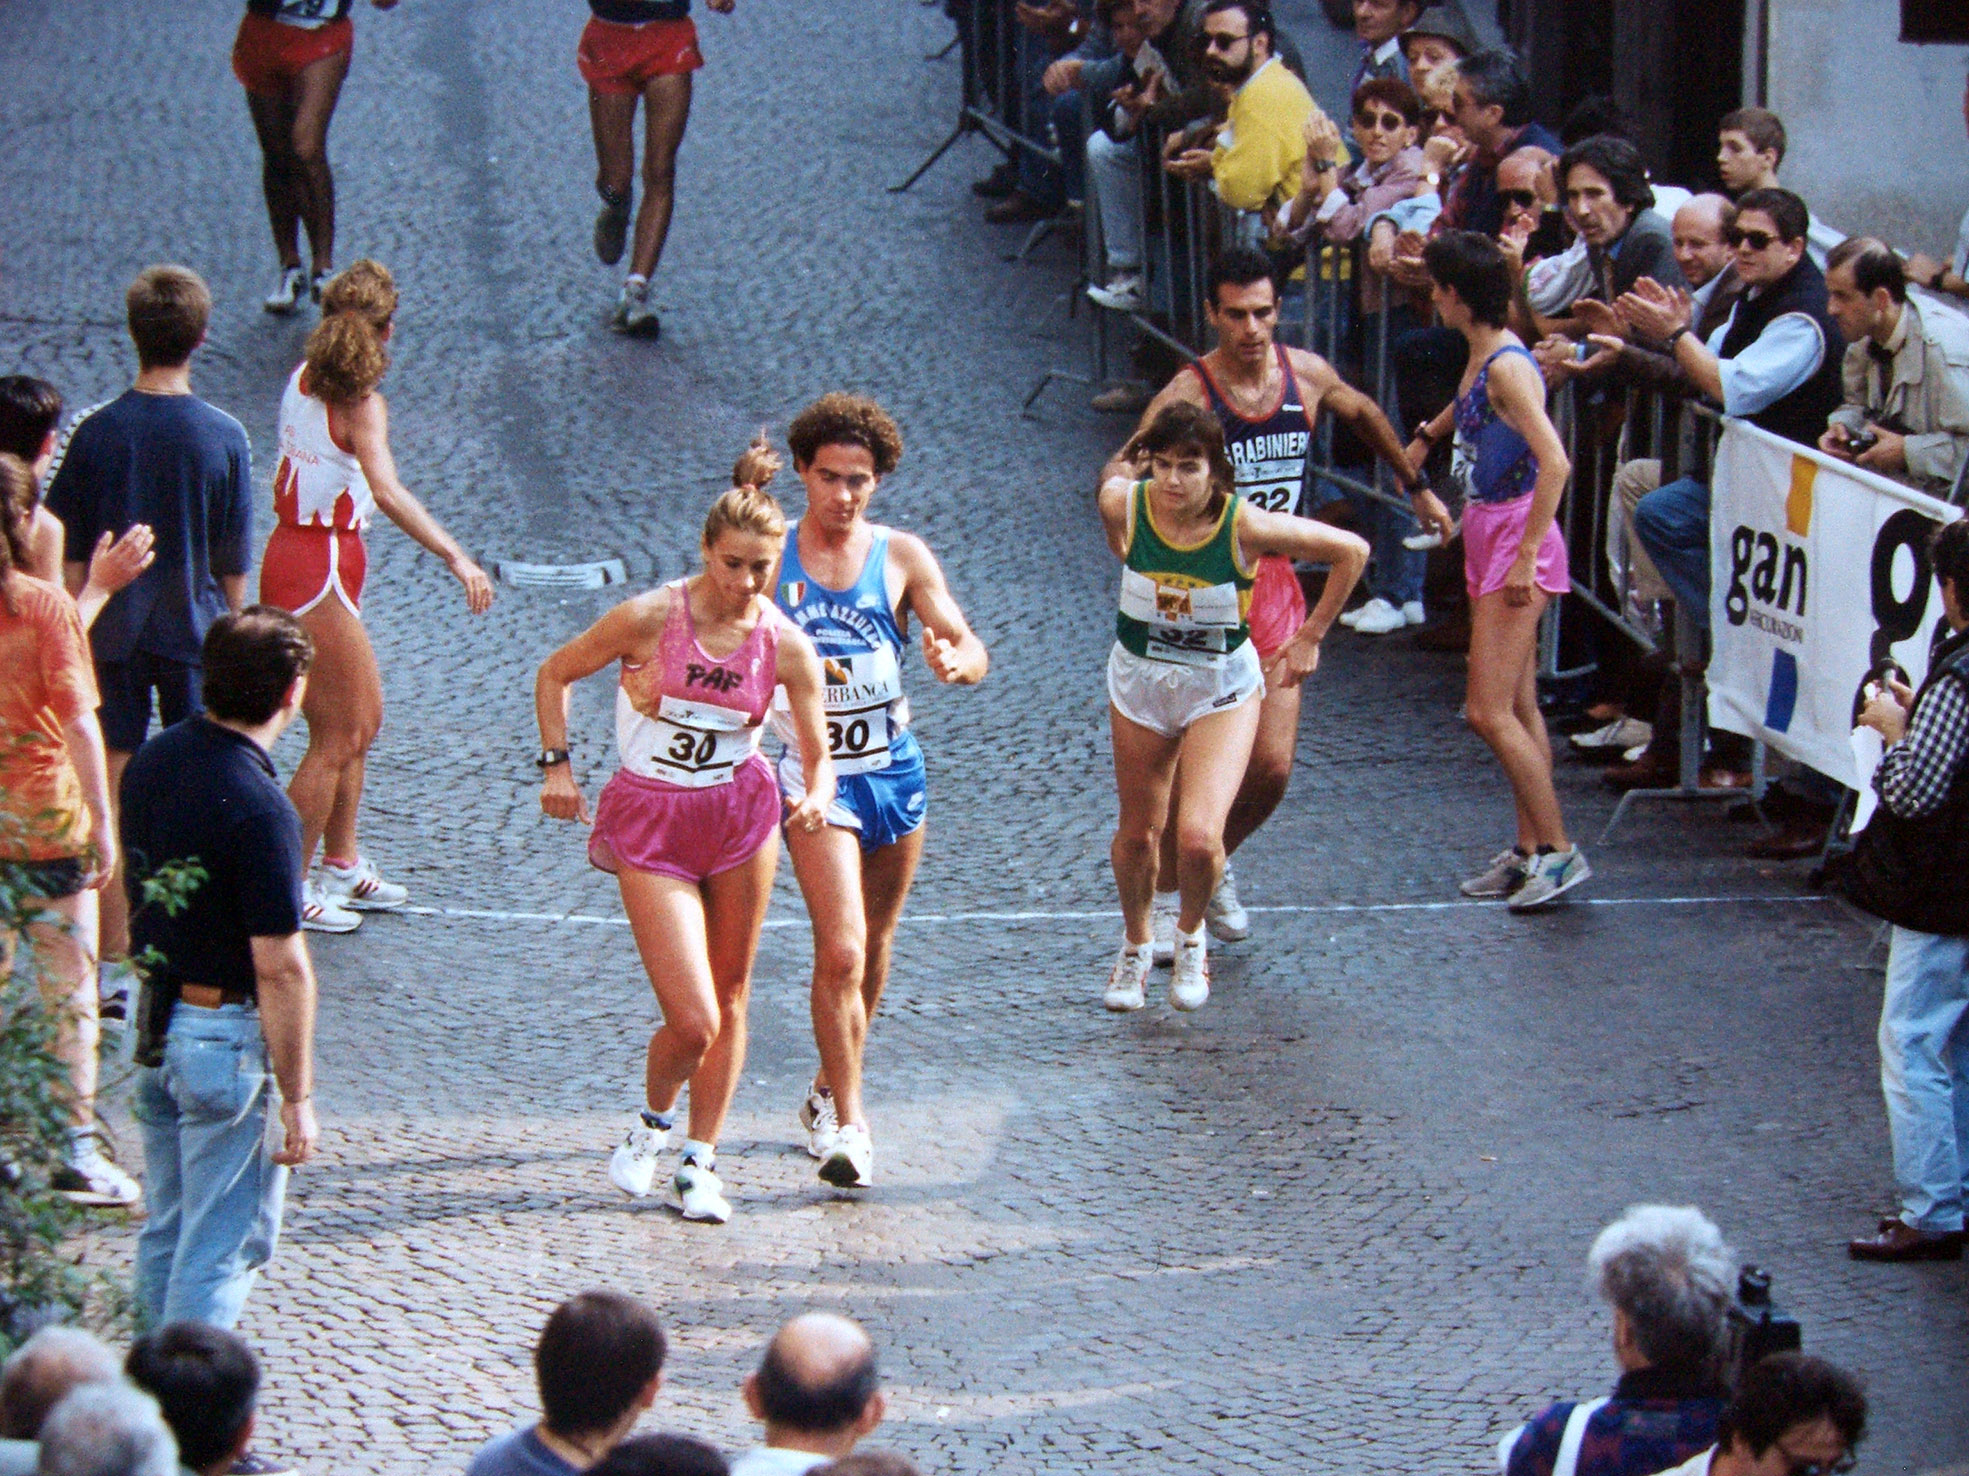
x,y
346,359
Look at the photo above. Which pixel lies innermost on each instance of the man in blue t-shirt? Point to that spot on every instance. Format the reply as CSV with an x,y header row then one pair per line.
x,y
156,454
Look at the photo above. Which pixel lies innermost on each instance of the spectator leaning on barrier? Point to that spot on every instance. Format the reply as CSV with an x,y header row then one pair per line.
x,y
1908,867
1122,88
598,1365
1793,1415
1951,276
1044,30
1261,148
1379,25
233,987
1610,203
1337,203
1775,363
1668,1276
816,1391
37,1376
1906,372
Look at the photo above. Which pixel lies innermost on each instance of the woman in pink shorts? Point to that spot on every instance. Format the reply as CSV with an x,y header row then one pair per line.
x,y
688,823
1514,556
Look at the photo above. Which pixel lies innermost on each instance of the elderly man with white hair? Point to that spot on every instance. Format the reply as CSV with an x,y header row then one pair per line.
x,y
36,1377
107,1430
1669,1278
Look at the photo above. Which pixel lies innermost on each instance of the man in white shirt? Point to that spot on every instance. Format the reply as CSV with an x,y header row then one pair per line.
x,y
1791,1415
816,1391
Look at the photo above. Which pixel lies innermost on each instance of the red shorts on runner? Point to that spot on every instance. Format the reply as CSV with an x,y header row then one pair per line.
x,y
267,56
620,60
304,565
1278,605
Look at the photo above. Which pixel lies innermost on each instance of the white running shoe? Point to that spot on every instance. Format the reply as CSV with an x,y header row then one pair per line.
x,y
321,913
1622,733
1378,618
851,1160
1505,874
1162,926
287,292
632,1167
360,889
817,1117
1128,980
1123,294
1228,920
633,313
89,1178
1414,614
699,1194
1189,978
1551,875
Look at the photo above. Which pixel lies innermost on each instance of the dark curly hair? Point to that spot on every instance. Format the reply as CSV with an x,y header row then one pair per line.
x,y
840,419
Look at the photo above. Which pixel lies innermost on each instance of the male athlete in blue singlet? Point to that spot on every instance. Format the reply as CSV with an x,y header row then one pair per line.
x,y
851,586
1267,397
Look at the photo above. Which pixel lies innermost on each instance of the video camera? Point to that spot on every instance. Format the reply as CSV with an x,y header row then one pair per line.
x,y
1757,1326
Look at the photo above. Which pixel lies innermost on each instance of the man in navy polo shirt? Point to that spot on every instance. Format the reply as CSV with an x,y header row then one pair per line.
x,y
235,992
155,454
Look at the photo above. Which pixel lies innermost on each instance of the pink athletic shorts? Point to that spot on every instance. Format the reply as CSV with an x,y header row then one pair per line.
x,y
1492,532
647,825
1278,605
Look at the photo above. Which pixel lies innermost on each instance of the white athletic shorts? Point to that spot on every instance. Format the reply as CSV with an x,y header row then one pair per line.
x,y
1166,696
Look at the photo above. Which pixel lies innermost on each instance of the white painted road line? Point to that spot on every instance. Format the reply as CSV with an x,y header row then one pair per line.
x,y
1317,909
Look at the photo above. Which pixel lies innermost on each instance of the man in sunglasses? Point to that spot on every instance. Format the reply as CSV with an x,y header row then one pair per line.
x,y
1260,149
1792,1416
1775,363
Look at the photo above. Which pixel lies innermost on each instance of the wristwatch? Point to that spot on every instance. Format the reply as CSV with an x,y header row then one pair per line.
x,y
1675,336
551,758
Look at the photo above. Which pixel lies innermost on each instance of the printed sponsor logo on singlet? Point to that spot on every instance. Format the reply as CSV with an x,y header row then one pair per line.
x,y
1170,601
717,678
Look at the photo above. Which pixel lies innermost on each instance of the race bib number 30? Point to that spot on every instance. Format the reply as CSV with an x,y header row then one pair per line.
x,y
695,745
861,690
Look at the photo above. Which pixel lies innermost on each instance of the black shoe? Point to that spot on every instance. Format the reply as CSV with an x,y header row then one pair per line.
x,y
998,184
612,229
1019,208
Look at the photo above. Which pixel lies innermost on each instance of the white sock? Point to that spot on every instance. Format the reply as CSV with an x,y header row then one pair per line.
x,y
1184,940
704,1155
633,282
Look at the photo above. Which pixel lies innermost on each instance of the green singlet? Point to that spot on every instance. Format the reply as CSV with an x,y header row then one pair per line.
x,y
1178,603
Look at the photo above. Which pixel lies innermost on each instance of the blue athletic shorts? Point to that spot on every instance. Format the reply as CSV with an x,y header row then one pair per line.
x,y
126,688
880,807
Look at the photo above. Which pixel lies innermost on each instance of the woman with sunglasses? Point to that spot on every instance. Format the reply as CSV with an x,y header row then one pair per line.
x,y
1514,470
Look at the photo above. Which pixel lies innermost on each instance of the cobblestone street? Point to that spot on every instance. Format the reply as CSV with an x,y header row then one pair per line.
x,y
1335,1222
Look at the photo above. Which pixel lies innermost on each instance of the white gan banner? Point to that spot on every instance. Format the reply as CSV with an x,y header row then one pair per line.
x,y
1818,570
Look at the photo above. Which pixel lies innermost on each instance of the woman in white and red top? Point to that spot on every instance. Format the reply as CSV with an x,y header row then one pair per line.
x,y
689,823
335,472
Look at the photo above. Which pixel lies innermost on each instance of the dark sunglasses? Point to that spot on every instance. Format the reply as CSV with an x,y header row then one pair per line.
x,y
1386,122
1522,199
1839,1467
1222,40
1756,241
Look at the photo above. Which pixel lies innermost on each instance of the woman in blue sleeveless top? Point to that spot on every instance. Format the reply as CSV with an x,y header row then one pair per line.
x,y
1514,471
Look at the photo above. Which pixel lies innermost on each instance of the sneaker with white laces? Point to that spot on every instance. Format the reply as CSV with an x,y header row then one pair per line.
x,y
1163,908
1122,294
1379,618
1551,876
89,1178
1622,733
1225,914
1377,607
1128,980
1505,874
1189,976
850,1162
1414,614
817,1117
632,1167
359,887
287,291
321,913
633,313
699,1194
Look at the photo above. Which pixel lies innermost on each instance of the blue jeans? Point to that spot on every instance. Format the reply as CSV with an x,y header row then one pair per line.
x,y
1924,1074
1672,523
214,1192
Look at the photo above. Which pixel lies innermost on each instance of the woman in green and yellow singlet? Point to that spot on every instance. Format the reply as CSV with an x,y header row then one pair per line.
x,y
1183,675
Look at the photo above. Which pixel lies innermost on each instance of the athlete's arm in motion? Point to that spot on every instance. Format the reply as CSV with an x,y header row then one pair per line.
x,y
951,648
1517,392
1320,384
1184,389
1116,488
632,629
365,426
1344,554
799,672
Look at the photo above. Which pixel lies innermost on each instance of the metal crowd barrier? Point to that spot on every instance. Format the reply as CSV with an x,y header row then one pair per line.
x,y
994,51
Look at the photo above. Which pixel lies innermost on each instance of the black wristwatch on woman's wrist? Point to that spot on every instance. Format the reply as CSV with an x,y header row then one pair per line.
x,y
551,758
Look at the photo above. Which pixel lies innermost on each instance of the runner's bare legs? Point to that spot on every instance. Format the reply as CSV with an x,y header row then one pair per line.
x,y
666,110
299,187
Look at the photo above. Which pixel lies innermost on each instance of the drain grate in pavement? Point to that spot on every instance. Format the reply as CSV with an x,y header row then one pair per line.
x,y
596,575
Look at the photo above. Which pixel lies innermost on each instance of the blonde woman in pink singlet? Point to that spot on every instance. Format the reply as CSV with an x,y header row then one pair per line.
x,y
688,825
